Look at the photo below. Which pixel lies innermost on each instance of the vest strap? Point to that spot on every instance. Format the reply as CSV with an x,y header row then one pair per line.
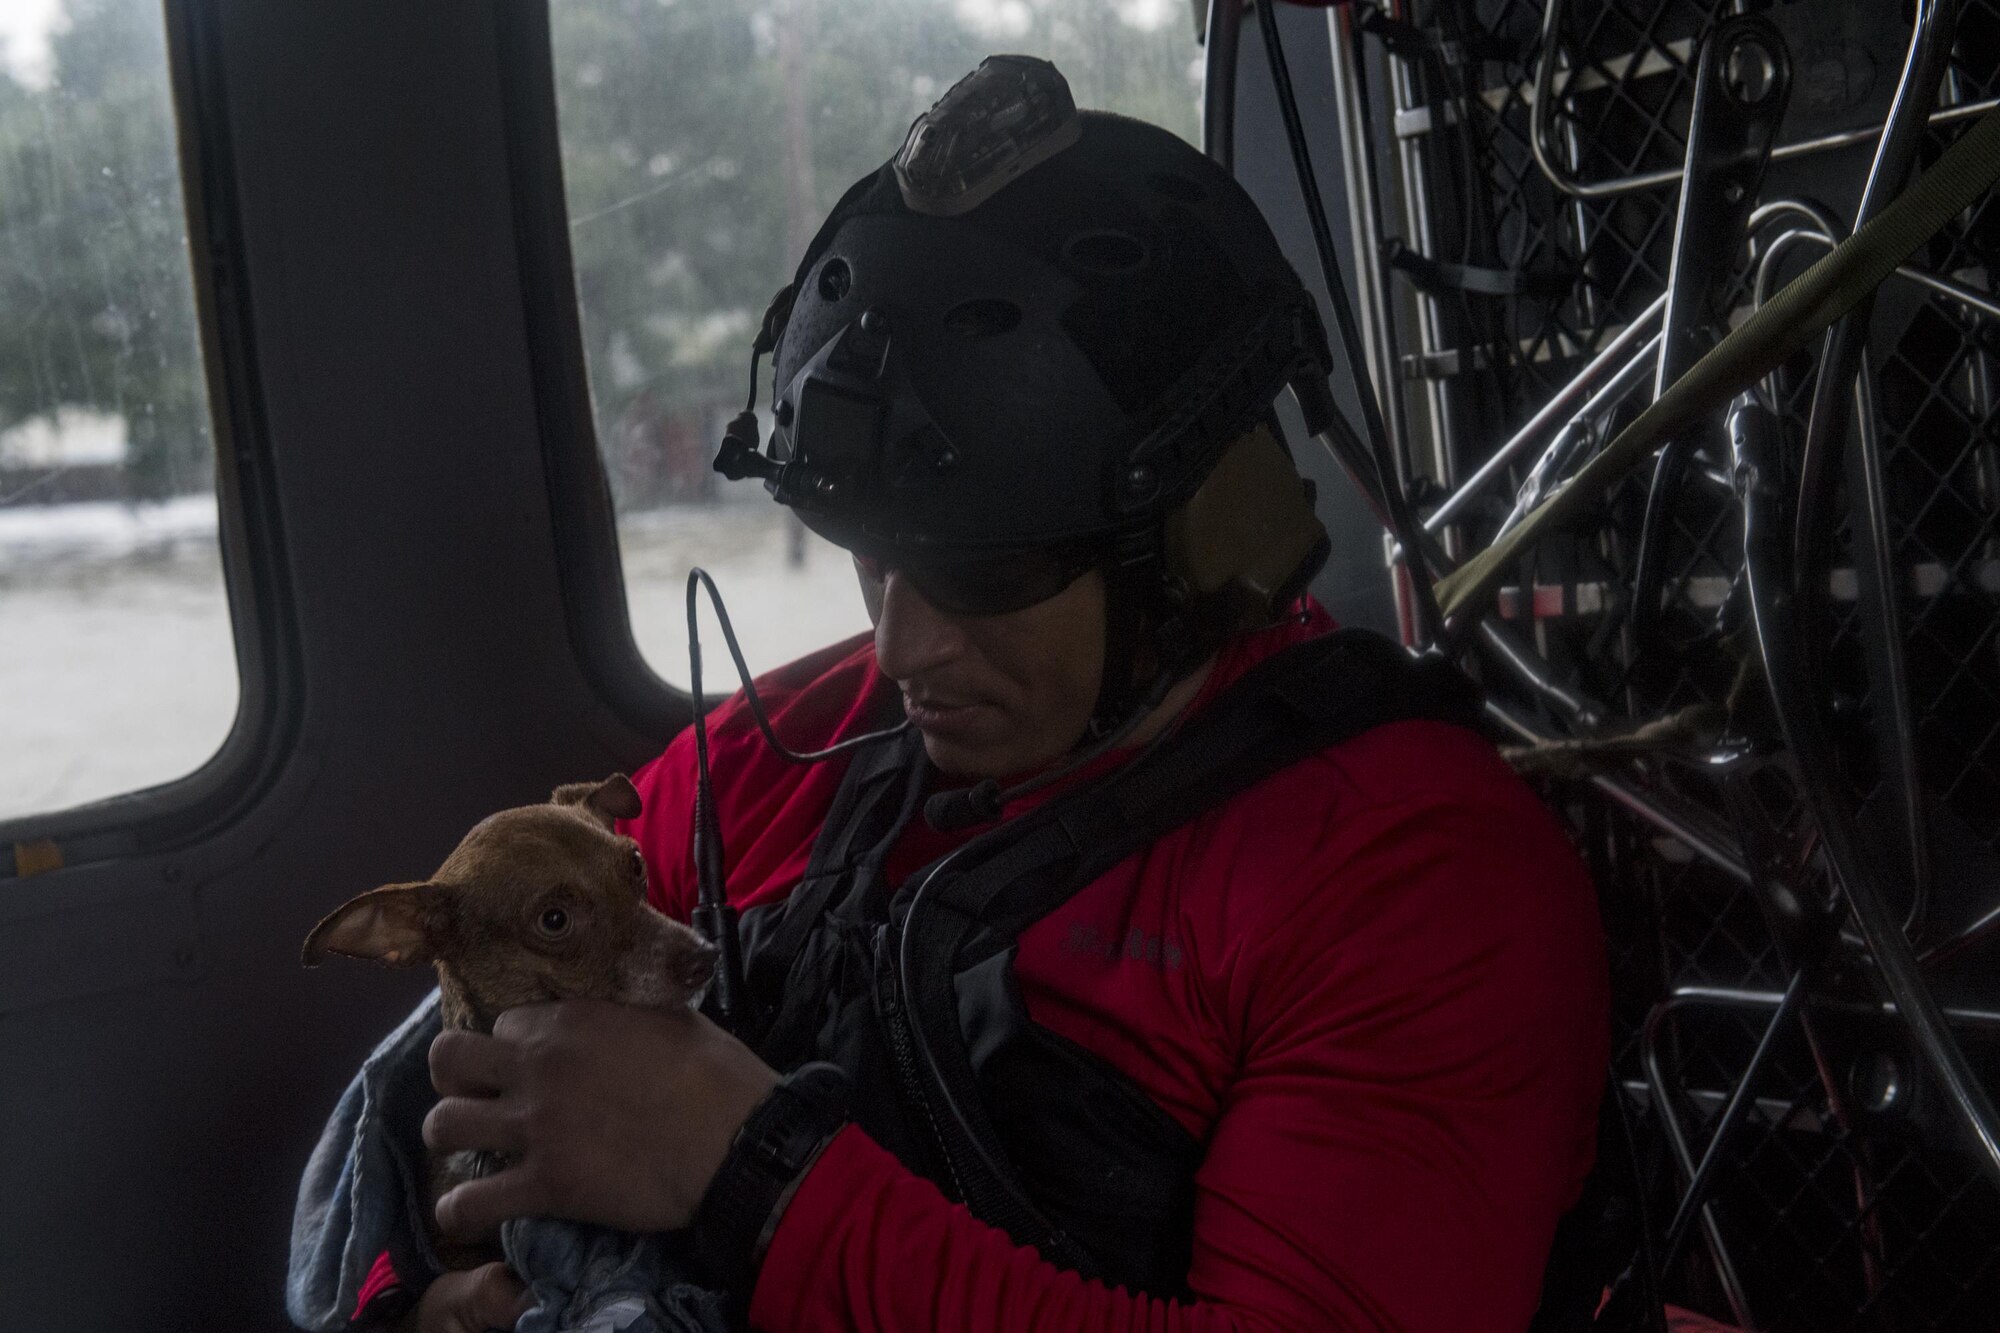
x,y
977,902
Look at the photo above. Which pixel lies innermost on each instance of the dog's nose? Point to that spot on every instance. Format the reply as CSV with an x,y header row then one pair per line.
x,y
697,964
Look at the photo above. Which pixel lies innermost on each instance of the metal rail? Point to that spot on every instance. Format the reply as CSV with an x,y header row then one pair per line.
x,y
1842,375
1700,1175
1572,402
1875,583
1985,1021
1541,111
1415,175
1429,622
1774,616
1364,220
1542,452
1690,826
1975,301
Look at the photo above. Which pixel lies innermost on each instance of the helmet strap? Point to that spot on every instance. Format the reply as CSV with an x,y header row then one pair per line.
x,y
1149,631
1131,590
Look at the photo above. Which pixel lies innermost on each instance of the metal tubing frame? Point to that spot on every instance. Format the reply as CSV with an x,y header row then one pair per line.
x,y
1910,1001
1683,824
1558,409
1822,230
1415,190
1540,110
1947,949
1613,392
1555,460
1562,411
1773,615
1364,220
1976,302
1703,1177
1700,1174
1793,1001
1977,1020
1875,578
1431,630
1728,148
1924,68
1579,711
1800,929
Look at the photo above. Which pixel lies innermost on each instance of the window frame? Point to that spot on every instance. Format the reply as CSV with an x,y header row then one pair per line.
x,y
584,517
262,612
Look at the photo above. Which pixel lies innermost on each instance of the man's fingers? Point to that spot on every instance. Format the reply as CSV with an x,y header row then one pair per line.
x,y
471,1064
473,1124
473,1211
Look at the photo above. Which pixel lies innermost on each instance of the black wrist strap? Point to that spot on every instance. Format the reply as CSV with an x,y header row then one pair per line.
x,y
773,1149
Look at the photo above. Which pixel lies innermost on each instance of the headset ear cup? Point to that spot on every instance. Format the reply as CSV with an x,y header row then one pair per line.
x,y
1288,593
1247,542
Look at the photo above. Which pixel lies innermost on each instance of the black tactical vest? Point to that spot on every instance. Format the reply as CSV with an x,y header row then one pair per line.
x,y
911,989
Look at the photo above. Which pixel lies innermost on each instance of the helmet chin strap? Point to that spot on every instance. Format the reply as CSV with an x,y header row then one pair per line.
x,y
1131,588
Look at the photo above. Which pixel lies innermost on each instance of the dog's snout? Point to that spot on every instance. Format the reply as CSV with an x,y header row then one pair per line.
x,y
697,964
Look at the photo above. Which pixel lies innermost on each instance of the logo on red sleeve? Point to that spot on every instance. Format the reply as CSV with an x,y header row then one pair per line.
x,y
1135,945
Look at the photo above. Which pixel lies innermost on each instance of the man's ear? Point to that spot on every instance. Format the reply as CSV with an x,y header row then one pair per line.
x,y
613,798
400,924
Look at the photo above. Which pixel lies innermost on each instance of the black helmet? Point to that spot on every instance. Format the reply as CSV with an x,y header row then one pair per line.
x,y
1036,330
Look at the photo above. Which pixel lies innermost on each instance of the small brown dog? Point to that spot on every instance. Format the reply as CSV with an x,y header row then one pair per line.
x,y
542,902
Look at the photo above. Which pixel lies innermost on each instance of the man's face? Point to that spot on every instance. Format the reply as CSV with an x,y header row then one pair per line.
x,y
993,695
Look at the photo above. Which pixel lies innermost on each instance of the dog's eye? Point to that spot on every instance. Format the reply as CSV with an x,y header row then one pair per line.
x,y
638,864
555,921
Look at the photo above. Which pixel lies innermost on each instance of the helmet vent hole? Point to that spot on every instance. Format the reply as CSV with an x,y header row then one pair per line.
x,y
986,318
1112,252
1178,188
835,279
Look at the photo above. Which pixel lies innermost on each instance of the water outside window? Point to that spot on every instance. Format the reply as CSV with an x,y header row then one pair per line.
x,y
703,141
117,665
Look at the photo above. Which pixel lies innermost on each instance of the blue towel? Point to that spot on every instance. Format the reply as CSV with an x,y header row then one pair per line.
x,y
590,1280
363,1193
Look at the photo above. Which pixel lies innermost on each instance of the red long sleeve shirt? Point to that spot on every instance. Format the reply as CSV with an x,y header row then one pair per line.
x,y
1373,986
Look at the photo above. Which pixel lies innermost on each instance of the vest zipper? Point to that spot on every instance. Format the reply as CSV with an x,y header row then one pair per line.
x,y
903,1050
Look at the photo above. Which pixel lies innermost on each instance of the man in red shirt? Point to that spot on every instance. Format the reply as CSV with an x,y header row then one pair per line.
x,y
1322,1050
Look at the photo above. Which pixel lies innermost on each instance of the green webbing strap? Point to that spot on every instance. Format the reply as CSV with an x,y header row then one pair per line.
x,y
1804,309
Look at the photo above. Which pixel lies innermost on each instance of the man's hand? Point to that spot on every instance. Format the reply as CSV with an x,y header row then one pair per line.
x,y
605,1113
482,1298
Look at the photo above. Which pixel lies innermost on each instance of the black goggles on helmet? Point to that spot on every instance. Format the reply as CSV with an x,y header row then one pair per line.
x,y
983,585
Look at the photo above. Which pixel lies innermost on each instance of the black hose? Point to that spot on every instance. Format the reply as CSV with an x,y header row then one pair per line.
x,y
699,578
1430,622
713,916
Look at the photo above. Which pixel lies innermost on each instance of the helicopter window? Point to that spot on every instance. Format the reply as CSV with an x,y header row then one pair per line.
x,y
117,662
702,142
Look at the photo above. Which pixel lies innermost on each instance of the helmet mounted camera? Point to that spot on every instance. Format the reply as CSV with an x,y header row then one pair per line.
x,y
1012,113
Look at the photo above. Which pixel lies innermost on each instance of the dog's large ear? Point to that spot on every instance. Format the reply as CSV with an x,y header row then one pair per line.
x,y
613,798
400,924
